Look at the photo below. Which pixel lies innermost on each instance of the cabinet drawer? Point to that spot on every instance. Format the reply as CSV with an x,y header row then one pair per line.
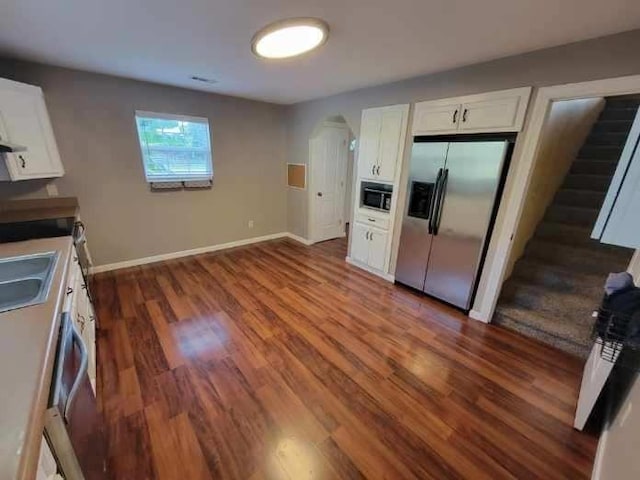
x,y
373,221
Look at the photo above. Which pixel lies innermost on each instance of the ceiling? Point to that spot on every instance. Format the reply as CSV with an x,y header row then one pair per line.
x,y
371,41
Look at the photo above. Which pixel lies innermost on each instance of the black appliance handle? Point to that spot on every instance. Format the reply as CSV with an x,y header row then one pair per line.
x,y
432,201
441,192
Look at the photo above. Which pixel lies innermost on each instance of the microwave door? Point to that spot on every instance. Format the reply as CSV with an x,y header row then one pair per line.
x,y
426,164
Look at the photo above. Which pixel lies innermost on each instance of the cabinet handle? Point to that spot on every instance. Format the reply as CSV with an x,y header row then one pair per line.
x,y
464,115
370,236
366,235
371,219
378,170
69,290
455,116
373,169
23,163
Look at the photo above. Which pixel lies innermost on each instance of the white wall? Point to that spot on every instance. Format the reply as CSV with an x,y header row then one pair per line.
x,y
566,129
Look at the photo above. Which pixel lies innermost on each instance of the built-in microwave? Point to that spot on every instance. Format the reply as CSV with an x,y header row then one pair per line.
x,y
376,195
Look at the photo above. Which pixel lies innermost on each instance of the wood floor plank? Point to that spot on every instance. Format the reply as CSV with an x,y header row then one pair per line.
x,y
280,361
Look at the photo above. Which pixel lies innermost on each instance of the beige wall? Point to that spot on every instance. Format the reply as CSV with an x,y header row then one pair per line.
x,y
93,120
567,127
606,57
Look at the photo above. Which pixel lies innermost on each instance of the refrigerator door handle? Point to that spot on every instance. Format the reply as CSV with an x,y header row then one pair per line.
x,y
433,201
438,210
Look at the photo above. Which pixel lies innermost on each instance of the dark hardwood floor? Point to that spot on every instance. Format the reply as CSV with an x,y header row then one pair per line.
x,y
281,361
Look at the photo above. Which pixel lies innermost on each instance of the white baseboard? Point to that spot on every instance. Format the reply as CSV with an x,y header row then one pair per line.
x,y
386,276
194,251
478,315
298,238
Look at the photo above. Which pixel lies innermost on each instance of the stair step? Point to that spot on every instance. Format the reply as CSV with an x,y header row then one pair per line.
x,y
579,198
611,126
587,182
585,217
583,166
547,275
595,261
623,102
572,307
575,236
532,325
608,153
603,138
627,113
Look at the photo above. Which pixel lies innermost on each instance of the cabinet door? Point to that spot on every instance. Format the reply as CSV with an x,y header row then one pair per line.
x,y
369,143
389,149
499,114
360,243
431,118
377,248
87,320
24,121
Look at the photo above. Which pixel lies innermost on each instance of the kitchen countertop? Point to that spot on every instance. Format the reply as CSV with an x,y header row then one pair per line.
x,y
28,340
38,209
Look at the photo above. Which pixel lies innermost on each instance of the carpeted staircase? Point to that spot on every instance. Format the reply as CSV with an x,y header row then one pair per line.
x,y
558,282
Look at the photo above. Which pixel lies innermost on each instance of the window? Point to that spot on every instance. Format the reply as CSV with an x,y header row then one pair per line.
x,y
174,148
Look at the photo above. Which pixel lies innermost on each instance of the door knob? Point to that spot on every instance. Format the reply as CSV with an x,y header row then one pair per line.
x,y
319,194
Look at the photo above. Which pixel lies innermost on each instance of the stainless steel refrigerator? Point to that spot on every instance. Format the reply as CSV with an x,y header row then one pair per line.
x,y
452,193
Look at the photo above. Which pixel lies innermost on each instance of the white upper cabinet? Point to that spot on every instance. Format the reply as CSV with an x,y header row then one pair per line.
x,y
392,132
502,111
369,142
382,136
436,118
619,220
24,121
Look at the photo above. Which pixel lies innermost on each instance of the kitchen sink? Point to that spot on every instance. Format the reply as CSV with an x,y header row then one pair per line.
x,y
25,280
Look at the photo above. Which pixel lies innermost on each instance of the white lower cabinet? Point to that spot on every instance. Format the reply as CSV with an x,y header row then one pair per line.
x,y
79,306
369,246
360,243
377,248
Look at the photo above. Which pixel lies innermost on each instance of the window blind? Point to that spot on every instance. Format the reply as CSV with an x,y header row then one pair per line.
x,y
175,148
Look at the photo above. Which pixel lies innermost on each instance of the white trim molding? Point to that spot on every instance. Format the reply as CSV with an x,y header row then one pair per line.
x,y
298,238
524,163
195,251
385,276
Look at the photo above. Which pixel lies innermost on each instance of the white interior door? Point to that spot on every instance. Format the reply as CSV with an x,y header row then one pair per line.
x,y
328,183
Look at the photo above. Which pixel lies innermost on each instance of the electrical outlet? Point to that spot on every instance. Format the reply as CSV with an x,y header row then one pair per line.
x,y
52,190
250,223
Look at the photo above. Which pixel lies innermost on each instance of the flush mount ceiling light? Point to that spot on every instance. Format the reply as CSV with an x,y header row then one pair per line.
x,y
289,38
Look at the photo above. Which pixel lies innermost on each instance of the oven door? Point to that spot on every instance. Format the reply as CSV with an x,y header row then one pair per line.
x,y
73,424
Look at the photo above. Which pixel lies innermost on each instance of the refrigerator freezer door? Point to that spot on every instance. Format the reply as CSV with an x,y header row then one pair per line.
x,y
415,240
474,170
